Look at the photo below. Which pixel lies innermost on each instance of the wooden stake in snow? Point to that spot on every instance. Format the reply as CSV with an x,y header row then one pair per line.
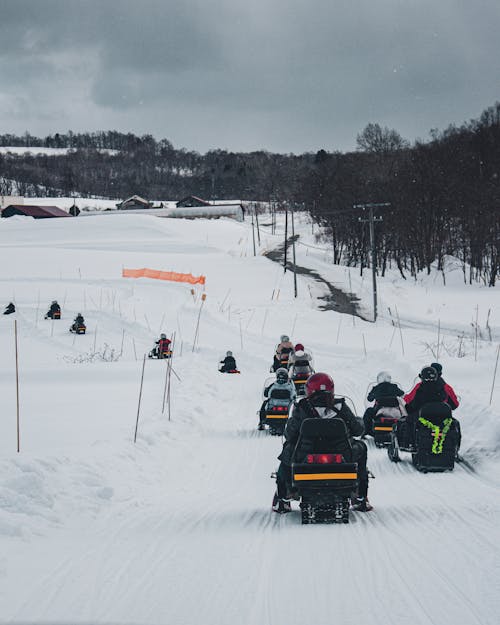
x,y
167,374
123,338
494,375
135,352
475,334
17,388
203,298
338,329
221,307
392,337
294,322
264,322
400,331
37,308
250,320
140,396
364,344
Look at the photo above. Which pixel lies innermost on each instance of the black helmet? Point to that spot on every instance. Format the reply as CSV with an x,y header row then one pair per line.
x,y
281,375
229,353
428,374
437,367
163,336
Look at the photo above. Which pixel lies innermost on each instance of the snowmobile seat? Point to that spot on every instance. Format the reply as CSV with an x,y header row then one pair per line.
x,y
319,436
322,472
387,402
280,393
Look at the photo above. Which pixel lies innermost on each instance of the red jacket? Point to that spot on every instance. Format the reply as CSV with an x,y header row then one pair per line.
x,y
164,345
451,397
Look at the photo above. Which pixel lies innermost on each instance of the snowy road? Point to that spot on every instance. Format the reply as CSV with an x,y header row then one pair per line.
x,y
178,528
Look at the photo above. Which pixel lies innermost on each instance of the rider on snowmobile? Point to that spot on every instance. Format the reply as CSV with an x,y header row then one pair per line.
x,y
78,322
283,350
451,397
228,364
283,384
320,403
54,308
384,388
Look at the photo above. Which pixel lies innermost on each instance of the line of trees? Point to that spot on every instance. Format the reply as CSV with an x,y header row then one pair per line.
x,y
444,194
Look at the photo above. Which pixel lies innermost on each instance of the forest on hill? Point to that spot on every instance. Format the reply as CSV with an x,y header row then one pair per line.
x,y
443,194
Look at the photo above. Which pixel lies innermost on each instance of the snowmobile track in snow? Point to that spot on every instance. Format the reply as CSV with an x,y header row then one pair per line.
x,y
335,299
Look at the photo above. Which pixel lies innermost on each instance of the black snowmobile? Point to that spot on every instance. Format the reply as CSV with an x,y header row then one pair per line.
x,y
389,412
436,439
322,473
277,408
78,327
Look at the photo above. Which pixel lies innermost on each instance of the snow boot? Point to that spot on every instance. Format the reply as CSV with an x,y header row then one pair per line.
x,y
361,504
280,505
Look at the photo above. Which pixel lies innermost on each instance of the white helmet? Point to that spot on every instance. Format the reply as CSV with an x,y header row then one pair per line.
x,y
383,376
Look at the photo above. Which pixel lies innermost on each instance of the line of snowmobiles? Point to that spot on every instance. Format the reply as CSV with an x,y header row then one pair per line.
x,y
325,480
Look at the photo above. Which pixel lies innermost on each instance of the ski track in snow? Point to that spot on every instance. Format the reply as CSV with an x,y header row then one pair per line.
x,y
178,528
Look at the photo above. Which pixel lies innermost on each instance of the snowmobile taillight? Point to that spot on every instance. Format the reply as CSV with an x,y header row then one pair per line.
x,y
388,420
281,408
324,458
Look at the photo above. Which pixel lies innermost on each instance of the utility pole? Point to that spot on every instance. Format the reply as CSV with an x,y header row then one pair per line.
x,y
253,236
371,220
293,251
286,236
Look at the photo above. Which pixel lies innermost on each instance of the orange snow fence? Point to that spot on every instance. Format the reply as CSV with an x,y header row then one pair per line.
x,y
156,274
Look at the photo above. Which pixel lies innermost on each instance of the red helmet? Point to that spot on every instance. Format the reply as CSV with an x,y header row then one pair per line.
x,y
319,382
299,347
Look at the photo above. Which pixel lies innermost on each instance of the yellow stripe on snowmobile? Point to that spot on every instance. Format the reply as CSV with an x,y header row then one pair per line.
x,y
300,477
300,381
381,428
276,416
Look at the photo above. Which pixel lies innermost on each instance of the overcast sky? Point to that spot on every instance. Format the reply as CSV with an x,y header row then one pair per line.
x,y
282,75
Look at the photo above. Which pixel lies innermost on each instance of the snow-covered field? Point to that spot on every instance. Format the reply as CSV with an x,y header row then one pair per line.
x,y
178,527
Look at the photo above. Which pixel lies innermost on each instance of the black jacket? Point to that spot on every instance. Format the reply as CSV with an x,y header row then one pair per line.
x,y
79,320
384,389
305,410
228,364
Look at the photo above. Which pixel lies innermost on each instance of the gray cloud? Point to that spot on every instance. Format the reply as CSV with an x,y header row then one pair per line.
x,y
283,74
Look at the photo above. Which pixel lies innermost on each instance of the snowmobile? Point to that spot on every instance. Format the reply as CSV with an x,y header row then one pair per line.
x,y
78,328
282,361
389,412
322,474
436,439
156,353
277,408
300,371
